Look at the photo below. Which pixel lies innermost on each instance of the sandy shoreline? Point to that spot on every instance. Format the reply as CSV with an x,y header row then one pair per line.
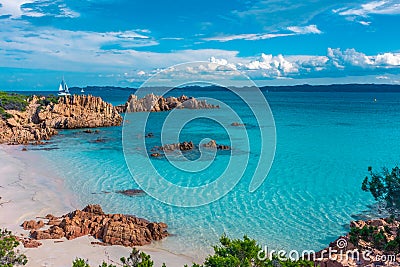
x,y
27,191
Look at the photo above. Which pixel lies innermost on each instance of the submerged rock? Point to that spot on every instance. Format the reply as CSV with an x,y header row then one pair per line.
x,y
149,135
159,151
213,144
132,192
89,131
184,146
237,124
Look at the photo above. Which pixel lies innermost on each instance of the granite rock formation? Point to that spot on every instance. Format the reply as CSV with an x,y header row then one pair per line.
x,y
28,242
40,121
184,146
154,103
78,111
237,124
112,229
213,144
369,243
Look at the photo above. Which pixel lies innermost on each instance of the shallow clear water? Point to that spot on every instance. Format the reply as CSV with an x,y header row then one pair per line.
x,y
325,142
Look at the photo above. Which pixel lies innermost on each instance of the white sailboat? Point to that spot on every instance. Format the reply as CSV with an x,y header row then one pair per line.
x,y
82,91
63,89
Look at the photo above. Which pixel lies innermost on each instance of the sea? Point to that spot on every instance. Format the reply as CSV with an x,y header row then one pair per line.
x,y
322,147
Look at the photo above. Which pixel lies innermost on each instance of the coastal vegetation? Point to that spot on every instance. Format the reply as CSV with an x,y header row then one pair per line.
x,y
383,234
229,253
34,119
377,237
11,101
50,99
135,259
9,255
385,188
19,102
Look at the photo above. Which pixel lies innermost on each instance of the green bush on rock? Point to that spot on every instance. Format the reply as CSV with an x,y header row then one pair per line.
x,y
385,188
9,256
12,101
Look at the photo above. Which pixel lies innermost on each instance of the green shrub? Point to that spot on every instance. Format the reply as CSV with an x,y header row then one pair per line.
x,y
137,259
244,253
48,100
4,114
9,256
379,240
392,246
13,101
80,263
230,253
384,186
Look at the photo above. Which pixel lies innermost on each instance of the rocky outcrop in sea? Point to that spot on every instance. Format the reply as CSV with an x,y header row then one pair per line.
x,y
159,151
110,229
154,103
41,118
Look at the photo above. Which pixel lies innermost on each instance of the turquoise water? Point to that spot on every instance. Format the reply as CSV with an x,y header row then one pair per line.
x,y
325,142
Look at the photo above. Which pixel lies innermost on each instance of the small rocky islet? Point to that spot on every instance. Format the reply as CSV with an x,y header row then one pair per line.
x,y
159,151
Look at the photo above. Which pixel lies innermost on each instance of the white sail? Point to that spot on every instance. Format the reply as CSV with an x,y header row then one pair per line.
x,y
63,89
66,88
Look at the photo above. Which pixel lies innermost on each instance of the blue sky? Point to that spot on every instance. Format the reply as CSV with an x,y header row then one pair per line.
x,y
124,42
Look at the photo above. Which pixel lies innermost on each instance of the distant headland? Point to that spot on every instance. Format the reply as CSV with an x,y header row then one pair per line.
x,y
281,88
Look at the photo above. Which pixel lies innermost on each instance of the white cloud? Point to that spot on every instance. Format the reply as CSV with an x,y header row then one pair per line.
x,y
173,38
67,12
36,8
247,36
275,64
293,30
365,23
336,61
305,30
13,7
388,59
273,15
65,44
382,77
385,7
49,48
114,52
352,58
